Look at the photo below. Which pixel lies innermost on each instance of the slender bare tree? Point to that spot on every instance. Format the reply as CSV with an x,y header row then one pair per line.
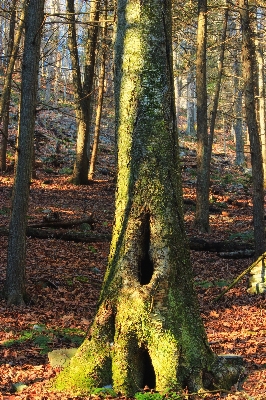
x,y
15,275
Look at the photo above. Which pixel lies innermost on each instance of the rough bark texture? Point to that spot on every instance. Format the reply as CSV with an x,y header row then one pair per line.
x,y
251,86
147,330
15,276
203,172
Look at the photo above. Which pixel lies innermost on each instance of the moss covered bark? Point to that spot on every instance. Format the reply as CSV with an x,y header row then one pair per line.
x,y
147,330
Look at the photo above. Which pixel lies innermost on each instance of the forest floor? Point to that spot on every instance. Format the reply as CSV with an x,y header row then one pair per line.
x,y
64,277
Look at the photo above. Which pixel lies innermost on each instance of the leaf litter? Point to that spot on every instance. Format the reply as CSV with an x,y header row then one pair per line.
x,y
64,277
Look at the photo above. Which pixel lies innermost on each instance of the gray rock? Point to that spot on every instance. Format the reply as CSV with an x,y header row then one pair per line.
x,y
19,387
61,357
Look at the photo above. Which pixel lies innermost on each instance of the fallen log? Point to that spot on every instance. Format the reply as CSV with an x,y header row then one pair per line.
x,y
64,224
197,244
237,254
67,235
70,236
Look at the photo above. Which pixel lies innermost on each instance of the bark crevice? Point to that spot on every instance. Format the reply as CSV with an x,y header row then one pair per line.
x,y
145,267
149,379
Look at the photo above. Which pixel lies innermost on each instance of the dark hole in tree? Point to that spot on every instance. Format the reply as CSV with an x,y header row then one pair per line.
x,y
145,270
149,378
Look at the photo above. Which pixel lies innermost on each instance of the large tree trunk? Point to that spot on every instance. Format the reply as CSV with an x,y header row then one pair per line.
x,y
147,330
251,86
15,276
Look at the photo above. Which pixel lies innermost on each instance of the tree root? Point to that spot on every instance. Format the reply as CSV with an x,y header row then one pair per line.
x,y
226,371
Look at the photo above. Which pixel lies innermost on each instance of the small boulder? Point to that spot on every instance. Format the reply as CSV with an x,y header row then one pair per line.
x,y
61,357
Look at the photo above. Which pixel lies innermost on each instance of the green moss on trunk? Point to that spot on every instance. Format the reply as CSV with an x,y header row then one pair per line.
x,y
148,329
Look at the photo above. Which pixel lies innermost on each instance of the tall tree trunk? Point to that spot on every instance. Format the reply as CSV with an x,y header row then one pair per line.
x,y
100,103
261,88
203,178
251,86
234,28
238,122
15,274
217,88
147,330
205,141
190,104
177,85
5,112
13,48
83,93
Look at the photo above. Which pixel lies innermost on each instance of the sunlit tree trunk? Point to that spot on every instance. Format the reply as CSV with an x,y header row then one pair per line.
x,y
234,28
215,104
190,104
13,48
203,178
15,274
57,54
250,82
205,140
49,78
238,122
83,92
261,85
177,85
147,330
99,104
